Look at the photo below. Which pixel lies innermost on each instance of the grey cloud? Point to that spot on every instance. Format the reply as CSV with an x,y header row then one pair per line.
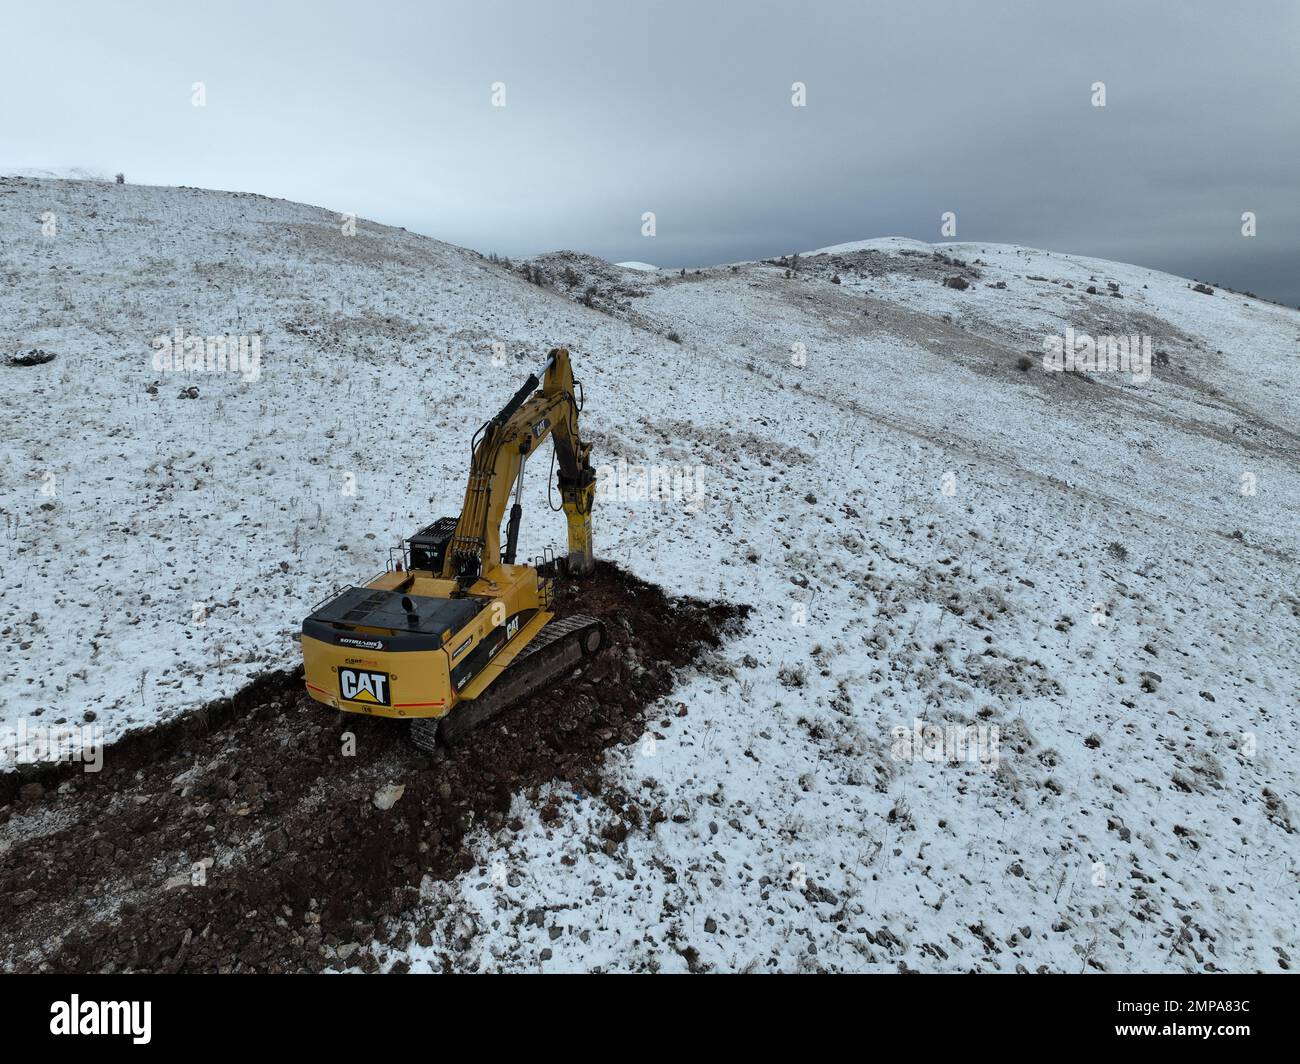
x,y
914,108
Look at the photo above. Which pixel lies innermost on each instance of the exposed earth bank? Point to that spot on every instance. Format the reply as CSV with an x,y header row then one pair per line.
x,y
248,836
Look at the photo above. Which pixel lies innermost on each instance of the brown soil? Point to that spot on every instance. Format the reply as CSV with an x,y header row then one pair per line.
x,y
302,861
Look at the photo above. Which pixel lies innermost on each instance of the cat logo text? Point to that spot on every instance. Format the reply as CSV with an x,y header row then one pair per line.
x,y
362,685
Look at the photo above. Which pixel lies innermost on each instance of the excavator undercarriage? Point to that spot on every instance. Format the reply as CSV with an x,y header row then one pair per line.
x,y
455,632
561,646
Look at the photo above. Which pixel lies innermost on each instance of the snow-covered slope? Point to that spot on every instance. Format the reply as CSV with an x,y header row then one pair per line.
x,y
928,524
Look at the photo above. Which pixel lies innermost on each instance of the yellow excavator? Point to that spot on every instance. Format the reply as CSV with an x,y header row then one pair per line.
x,y
454,632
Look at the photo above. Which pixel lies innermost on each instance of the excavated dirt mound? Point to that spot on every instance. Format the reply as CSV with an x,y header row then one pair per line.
x,y
258,797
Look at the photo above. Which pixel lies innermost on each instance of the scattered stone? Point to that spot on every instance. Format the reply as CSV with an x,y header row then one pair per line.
x,y
34,357
387,795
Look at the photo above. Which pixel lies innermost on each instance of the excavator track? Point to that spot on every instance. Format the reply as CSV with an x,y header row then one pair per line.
x,y
560,646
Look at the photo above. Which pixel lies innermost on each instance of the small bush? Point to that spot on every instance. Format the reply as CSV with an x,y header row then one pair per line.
x,y
792,677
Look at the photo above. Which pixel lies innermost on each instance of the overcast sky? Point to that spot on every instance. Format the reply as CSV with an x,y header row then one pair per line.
x,y
684,109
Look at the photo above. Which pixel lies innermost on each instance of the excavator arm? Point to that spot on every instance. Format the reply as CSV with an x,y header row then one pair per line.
x,y
546,405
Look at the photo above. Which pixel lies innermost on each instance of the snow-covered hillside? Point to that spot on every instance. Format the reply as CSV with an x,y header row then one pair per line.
x,y
1096,569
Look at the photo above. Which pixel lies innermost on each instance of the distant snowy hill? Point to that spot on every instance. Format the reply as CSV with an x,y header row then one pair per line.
x,y
930,525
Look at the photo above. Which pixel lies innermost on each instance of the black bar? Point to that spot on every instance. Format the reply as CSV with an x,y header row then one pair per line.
x,y
939,1012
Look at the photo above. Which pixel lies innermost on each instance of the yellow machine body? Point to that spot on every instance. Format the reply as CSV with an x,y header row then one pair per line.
x,y
444,623
383,672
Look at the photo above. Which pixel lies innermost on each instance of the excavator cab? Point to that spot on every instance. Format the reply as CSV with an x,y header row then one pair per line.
x,y
428,548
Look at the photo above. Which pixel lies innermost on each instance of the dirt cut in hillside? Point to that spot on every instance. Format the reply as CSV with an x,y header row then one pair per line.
x,y
246,836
